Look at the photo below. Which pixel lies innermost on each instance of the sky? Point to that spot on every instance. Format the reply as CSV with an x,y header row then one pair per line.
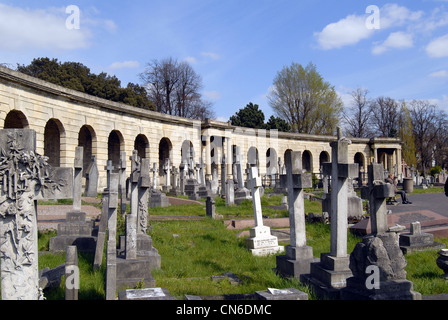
x,y
393,49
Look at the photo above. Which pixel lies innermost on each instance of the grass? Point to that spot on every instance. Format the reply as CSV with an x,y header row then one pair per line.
x,y
194,251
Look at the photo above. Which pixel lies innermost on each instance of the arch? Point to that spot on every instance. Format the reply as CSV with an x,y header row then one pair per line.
x,y
360,159
115,145
165,150
307,161
87,140
141,144
323,157
187,152
16,119
52,141
271,162
252,156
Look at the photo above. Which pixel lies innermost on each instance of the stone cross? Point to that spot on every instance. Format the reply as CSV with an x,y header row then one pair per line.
x,y
340,171
25,177
131,219
77,181
102,228
144,184
111,258
260,242
167,170
298,255
122,182
154,171
377,191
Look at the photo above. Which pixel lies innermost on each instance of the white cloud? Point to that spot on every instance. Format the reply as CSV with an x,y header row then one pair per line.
x,y
439,74
191,60
24,29
393,15
211,55
438,48
212,95
124,64
347,31
396,40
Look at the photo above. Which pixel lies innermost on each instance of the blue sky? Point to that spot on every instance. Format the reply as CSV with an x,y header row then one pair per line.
x,y
239,46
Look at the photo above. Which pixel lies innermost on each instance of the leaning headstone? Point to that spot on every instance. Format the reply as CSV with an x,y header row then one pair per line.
x,y
329,275
92,176
25,176
76,230
379,252
260,242
298,255
71,274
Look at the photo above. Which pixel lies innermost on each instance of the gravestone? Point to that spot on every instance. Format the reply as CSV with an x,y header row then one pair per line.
x,y
138,257
122,185
210,207
329,275
281,294
25,177
230,192
92,175
192,185
241,193
416,240
76,230
157,197
102,228
175,189
379,252
260,242
298,255
111,248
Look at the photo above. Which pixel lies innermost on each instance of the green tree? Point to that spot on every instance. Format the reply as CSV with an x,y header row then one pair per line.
x,y
76,76
249,116
278,124
305,100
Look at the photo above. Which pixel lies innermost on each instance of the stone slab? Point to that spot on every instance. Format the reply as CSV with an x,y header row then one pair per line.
x,y
145,294
281,294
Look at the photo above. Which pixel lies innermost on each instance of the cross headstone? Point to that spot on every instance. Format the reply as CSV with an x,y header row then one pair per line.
x,y
111,257
154,171
131,219
25,177
333,268
167,171
298,255
122,182
144,184
260,242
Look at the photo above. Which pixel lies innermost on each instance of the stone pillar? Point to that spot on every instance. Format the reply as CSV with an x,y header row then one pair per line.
x,y
111,258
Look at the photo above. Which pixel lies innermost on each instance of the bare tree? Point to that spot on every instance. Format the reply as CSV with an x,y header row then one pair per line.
x,y
385,116
358,116
429,124
174,87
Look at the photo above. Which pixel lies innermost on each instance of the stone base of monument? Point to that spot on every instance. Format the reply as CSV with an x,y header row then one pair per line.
x,y
262,243
295,262
281,294
242,194
158,199
388,290
192,189
145,294
418,242
133,272
75,231
328,277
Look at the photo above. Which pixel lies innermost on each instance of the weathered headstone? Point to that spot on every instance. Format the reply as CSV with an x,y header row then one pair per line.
x,y
298,255
92,176
25,177
230,192
210,207
260,242
111,250
131,219
76,230
379,252
329,275
416,240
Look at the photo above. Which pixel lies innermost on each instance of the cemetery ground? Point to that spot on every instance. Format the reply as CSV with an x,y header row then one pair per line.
x,y
201,256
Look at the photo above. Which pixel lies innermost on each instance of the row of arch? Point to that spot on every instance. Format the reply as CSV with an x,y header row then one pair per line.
x,y
54,138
